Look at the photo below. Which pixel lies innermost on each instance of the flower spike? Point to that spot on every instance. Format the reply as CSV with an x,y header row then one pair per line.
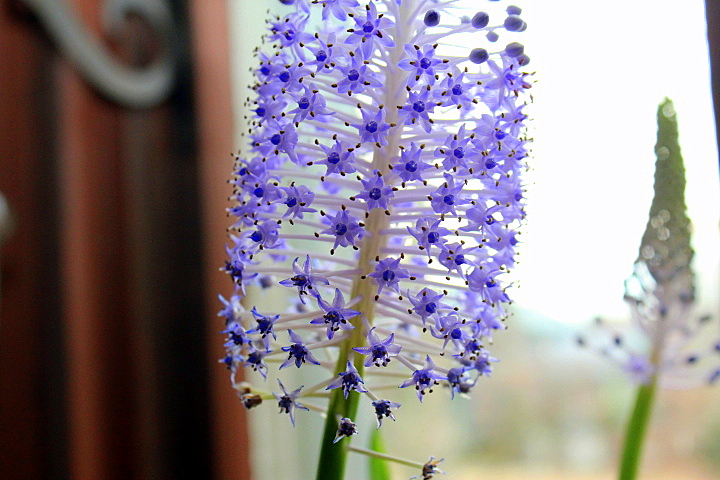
x,y
376,199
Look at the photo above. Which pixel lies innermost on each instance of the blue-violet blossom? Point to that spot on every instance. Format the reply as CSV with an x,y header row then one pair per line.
x,y
378,197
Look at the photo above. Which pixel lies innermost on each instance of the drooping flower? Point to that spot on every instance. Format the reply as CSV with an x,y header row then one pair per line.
x,y
381,182
429,469
346,428
383,409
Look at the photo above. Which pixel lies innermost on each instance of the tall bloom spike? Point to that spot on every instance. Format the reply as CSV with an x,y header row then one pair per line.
x,y
661,290
381,181
661,295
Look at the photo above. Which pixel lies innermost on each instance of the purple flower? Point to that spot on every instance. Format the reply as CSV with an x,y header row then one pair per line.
x,y
375,193
482,280
288,403
446,198
450,327
322,53
369,30
304,279
428,235
388,274
338,159
424,65
373,128
348,380
453,256
336,315
268,108
236,268
264,327
297,352
427,303
255,359
456,154
266,235
309,102
291,78
459,380
388,157
383,409
418,108
346,427
297,200
455,91
289,31
231,360
424,378
481,362
344,227
232,309
410,167
357,76
338,8
279,138
379,351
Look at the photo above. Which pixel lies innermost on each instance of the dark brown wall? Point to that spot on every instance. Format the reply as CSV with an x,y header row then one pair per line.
x,y
29,321
108,327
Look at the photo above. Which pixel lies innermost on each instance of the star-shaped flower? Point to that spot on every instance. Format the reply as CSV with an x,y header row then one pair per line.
x,y
344,227
297,352
424,378
375,193
288,403
349,380
373,127
379,351
304,279
264,327
388,274
336,315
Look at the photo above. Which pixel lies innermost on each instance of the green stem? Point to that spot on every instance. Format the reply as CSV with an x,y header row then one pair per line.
x,y
637,426
331,465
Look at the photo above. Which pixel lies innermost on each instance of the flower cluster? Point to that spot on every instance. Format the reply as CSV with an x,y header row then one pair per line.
x,y
378,199
675,346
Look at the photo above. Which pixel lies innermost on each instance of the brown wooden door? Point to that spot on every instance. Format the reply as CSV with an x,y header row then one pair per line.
x,y
108,332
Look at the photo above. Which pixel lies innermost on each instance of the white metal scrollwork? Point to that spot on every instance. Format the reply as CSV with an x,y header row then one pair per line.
x,y
132,87
6,222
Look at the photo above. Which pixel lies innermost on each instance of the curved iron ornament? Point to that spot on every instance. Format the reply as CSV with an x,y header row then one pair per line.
x,y
128,86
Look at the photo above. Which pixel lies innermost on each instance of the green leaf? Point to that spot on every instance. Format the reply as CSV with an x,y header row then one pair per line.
x,y
378,468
